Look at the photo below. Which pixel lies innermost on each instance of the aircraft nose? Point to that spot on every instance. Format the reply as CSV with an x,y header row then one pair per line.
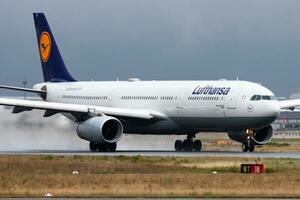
x,y
273,109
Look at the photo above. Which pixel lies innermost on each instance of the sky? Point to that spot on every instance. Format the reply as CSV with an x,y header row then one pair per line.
x,y
257,40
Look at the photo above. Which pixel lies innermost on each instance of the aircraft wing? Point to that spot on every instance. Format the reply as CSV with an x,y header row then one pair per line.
x,y
289,104
26,105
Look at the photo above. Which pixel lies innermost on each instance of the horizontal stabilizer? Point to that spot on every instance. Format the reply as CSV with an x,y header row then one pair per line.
x,y
22,89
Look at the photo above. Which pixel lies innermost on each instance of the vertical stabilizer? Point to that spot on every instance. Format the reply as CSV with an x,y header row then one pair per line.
x,y
54,69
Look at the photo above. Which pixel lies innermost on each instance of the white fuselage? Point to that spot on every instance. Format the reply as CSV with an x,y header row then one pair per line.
x,y
190,106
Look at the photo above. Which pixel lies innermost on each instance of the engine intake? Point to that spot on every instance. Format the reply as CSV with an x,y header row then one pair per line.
x,y
263,136
260,137
101,129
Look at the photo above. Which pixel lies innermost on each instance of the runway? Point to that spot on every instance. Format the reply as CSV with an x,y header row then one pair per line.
x,y
295,155
29,134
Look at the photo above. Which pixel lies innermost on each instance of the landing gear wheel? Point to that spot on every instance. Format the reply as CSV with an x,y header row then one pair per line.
x,y
197,145
103,147
178,145
251,146
187,145
111,147
248,146
245,147
93,146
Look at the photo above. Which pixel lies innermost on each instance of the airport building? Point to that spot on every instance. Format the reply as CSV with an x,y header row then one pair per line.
x,y
288,121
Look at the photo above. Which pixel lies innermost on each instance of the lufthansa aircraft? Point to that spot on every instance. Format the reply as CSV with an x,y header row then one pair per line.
x,y
105,110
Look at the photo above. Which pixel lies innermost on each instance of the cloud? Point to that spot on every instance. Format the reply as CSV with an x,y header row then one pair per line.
x,y
100,40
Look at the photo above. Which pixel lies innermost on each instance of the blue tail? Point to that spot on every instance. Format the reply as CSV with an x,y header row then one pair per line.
x,y
54,69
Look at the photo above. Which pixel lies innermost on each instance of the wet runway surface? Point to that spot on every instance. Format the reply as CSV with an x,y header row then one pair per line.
x,y
147,198
158,153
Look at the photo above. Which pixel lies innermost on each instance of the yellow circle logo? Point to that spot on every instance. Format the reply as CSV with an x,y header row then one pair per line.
x,y
45,46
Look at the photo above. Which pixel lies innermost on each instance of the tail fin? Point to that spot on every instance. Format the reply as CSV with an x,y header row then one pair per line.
x,y
54,69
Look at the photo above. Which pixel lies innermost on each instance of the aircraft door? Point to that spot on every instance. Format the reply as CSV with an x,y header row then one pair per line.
x,y
231,107
231,103
180,104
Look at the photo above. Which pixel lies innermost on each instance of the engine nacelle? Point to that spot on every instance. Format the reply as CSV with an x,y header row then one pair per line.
x,y
101,129
263,136
260,137
237,136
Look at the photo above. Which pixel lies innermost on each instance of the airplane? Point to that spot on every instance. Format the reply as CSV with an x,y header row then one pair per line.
x,y
105,110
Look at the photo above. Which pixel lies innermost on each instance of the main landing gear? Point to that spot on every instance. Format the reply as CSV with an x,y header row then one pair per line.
x,y
103,147
189,144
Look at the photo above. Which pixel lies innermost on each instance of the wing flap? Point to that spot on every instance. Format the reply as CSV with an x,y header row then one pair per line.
x,y
65,107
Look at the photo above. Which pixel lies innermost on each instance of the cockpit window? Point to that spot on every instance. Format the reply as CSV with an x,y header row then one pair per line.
x,y
273,98
253,98
265,97
262,97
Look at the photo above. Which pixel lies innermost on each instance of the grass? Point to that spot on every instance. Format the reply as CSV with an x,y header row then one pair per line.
x,y
279,144
225,144
139,176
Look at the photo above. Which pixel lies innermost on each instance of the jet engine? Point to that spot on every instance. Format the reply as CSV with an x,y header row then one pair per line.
x,y
260,137
104,129
263,136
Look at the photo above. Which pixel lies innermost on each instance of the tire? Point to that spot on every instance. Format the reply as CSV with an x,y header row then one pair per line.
x,y
112,147
106,147
93,146
251,146
245,147
101,147
178,145
187,145
197,145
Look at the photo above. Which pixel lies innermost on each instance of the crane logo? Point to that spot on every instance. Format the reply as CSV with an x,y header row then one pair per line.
x,y
250,108
45,46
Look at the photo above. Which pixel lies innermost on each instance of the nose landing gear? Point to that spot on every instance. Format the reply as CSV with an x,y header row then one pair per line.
x,y
189,144
249,144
